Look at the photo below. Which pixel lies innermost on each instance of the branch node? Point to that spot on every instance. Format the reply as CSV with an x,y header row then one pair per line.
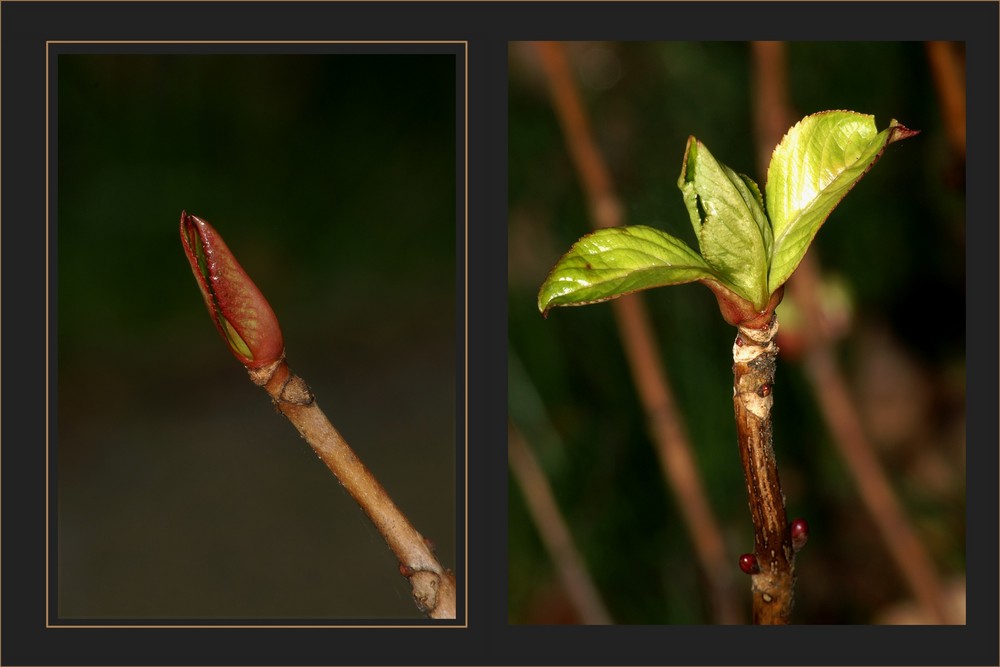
x,y
296,391
425,589
261,376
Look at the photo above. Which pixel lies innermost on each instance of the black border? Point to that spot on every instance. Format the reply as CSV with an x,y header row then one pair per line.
x,y
487,26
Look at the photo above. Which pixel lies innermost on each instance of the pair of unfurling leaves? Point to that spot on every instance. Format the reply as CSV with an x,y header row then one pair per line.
x,y
750,242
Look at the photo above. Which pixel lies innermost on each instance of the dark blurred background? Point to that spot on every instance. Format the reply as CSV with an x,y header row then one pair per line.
x,y
893,264
332,177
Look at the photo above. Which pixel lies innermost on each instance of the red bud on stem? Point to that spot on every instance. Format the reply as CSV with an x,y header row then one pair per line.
x,y
749,564
240,312
799,531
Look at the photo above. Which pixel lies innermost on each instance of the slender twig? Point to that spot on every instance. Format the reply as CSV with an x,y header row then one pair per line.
x,y
554,532
754,355
250,328
672,446
433,586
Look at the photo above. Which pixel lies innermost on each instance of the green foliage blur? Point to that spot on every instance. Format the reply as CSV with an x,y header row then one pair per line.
x,y
332,177
893,251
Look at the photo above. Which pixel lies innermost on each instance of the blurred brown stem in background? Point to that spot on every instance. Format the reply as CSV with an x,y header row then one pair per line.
x,y
772,117
554,532
947,64
674,451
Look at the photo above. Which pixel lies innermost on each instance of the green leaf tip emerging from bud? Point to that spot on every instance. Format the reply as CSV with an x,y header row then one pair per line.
x,y
240,312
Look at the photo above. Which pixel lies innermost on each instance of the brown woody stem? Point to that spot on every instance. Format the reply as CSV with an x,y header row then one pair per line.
x,y
754,355
433,586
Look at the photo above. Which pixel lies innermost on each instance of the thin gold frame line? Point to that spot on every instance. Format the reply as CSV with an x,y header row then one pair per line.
x,y
465,223
256,41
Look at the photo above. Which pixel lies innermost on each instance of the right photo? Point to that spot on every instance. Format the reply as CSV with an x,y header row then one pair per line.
x,y
788,445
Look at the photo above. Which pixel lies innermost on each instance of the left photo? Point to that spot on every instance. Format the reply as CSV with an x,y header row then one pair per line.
x,y
253,342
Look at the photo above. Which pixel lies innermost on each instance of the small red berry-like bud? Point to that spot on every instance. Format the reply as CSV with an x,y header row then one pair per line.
x,y
748,563
764,391
799,531
739,341
406,570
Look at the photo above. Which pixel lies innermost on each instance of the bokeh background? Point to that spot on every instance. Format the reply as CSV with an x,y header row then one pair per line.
x,y
892,253
181,494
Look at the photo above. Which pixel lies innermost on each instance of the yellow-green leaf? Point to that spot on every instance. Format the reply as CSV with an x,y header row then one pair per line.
x,y
817,162
727,214
620,260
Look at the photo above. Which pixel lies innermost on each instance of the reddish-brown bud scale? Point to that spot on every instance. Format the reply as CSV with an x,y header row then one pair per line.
x,y
748,563
240,312
799,532
406,570
739,312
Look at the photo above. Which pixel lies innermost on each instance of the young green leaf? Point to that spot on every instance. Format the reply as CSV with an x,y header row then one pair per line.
x,y
619,260
815,165
727,213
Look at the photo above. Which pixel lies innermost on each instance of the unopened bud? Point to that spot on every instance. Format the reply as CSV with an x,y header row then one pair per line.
x,y
240,312
748,563
799,531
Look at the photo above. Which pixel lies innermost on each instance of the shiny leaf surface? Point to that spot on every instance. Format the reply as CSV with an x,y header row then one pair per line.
x,y
620,260
817,162
727,213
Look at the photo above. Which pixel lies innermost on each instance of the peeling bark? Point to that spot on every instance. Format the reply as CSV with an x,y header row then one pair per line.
x,y
754,355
